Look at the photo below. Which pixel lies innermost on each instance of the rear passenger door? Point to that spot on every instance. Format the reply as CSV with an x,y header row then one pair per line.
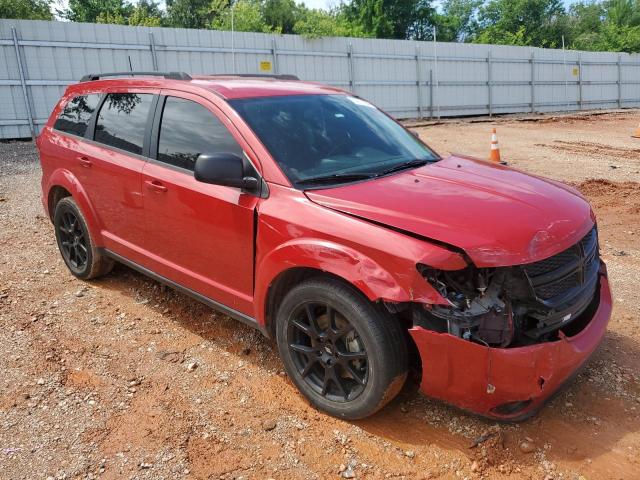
x,y
199,235
112,161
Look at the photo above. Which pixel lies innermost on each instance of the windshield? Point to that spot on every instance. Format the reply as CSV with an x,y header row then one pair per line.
x,y
331,138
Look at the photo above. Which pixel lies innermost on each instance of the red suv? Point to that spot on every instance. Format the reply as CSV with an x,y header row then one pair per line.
x,y
309,214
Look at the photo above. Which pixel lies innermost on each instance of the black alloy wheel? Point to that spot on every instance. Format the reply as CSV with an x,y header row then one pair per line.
x,y
328,352
76,246
346,354
73,242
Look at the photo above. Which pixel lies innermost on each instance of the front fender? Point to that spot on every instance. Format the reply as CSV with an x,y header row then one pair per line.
x,y
372,279
62,177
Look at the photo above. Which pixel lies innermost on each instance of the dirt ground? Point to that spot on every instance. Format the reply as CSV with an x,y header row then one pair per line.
x,y
123,378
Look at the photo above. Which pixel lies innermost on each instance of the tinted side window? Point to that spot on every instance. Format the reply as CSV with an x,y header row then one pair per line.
x,y
122,120
76,114
189,129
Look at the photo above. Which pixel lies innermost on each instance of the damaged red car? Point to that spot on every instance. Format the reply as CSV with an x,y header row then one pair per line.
x,y
311,215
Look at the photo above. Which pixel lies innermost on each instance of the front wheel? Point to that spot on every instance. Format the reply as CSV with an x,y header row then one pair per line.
x,y
347,356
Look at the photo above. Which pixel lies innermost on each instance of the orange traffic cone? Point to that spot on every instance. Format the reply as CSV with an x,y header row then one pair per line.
x,y
494,154
636,134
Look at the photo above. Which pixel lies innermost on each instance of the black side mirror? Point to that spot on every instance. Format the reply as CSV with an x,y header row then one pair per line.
x,y
224,169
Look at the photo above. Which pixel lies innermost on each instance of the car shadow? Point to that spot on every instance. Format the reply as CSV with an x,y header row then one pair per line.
x,y
583,421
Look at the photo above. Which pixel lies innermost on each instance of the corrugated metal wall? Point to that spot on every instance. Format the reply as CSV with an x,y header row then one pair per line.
x,y
408,79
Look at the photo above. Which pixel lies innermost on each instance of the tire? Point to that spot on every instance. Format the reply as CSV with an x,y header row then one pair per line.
x,y
76,246
351,341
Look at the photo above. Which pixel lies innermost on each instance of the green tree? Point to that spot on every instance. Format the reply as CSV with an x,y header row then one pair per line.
x,y
247,17
114,18
26,9
458,20
280,15
402,19
623,13
192,13
93,10
539,23
314,23
612,25
146,13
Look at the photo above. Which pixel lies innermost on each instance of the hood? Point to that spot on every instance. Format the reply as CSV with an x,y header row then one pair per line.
x,y
497,215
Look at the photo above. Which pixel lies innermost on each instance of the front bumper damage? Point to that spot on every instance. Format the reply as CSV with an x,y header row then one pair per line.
x,y
506,383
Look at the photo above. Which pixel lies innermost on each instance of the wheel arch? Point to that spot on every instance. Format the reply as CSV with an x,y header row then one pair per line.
x,y
56,193
284,282
62,183
298,260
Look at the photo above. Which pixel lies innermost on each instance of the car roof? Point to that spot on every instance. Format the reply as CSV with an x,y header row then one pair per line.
x,y
229,87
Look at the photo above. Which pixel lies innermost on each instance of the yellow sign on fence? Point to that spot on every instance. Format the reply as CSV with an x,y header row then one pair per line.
x,y
265,66
576,71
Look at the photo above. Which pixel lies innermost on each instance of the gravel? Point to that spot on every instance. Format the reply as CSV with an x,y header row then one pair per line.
x,y
17,157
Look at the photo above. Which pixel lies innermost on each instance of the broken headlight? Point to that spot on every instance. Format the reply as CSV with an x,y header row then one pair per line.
x,y
478,308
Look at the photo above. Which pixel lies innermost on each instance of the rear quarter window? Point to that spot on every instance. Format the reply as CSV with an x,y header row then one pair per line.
x,y
122,121
76,114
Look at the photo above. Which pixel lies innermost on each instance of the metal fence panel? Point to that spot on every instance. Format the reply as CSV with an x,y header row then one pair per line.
x,y
408,79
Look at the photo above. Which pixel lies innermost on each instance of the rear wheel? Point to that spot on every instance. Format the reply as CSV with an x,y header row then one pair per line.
x,y
75,243
344,354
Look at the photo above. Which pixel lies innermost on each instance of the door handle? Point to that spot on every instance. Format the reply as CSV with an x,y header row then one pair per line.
x,y
155,185
84,161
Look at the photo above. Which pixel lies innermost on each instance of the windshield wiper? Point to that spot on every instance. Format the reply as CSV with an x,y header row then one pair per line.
x,y
418,162
335,178
348,177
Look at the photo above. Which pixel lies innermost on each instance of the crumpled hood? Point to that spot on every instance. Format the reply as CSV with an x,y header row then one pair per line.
x,y
497,215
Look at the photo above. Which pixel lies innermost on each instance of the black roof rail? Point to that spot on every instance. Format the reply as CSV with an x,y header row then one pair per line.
x,y
281,76
169,75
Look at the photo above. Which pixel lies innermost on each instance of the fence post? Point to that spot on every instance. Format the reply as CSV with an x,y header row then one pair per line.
x,y
619,81
152,46
352,81
489,82
274,53
579,82
23,82
430,94
533,82
419,81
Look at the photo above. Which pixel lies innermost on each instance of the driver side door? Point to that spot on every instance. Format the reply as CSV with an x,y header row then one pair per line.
x,y
198,235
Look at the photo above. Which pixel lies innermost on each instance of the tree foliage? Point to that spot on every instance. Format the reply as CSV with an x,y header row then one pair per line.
x,y
92,10
458,20
26,9
601,25
247,17
612,25
319,23
190,13
146,13
540,23
392,18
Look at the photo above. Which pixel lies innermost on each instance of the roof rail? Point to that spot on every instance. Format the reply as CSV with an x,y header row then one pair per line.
x,y
282,76
169,75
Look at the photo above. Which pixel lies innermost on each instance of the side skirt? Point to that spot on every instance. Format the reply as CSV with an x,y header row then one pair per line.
x,y
236,315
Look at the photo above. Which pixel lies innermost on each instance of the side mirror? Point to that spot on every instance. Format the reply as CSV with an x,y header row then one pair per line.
x,y
223,169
